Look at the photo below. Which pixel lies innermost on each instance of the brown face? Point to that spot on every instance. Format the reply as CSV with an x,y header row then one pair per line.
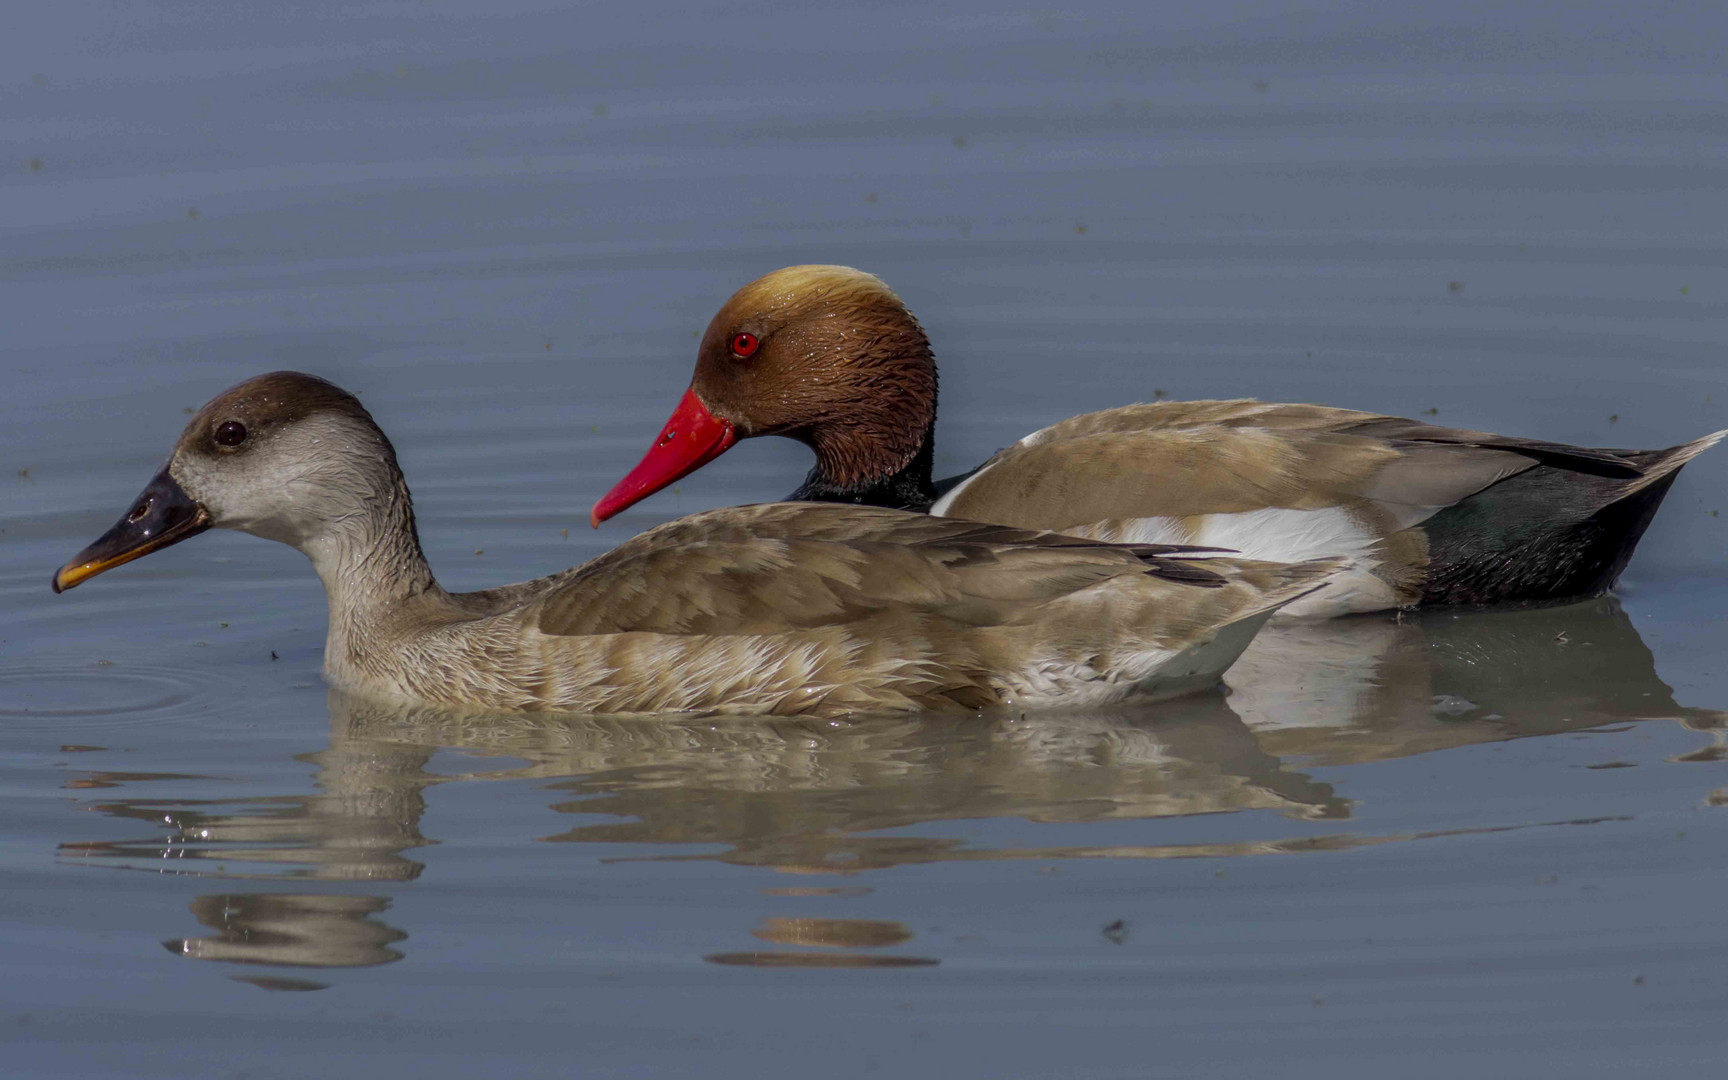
x,y
827,355
806,345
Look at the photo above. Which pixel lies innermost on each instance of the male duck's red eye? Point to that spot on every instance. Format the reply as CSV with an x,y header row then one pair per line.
x,y
744,345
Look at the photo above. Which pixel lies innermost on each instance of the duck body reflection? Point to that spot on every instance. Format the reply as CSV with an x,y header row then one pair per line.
x,y
835,796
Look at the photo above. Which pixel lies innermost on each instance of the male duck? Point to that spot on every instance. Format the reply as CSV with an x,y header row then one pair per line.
x,y
780,608
829,355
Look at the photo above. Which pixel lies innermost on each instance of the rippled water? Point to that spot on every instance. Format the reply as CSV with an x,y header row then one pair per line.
x,y
1493,841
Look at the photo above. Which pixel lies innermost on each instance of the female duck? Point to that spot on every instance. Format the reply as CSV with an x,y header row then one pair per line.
x,y
781,608
1426,515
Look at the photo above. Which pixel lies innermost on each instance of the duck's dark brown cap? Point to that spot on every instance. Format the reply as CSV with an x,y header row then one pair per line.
x,y
272,400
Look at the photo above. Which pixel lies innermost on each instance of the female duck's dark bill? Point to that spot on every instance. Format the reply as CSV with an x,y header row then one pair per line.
x,y
163,514
691,439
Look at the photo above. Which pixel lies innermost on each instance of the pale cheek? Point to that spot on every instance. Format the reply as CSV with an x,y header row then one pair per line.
x,y
194,480
289,525
234,495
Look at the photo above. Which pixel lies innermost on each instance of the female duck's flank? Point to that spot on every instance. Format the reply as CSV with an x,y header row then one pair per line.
x,y
782,608
1426,515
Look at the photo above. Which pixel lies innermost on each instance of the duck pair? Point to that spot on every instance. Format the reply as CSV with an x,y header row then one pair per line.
x,y
1082,566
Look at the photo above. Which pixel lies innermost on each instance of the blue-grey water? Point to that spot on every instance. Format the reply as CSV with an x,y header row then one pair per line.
x,y
1457,844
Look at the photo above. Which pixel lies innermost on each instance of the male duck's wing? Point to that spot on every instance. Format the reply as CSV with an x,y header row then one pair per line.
x,y
1183,461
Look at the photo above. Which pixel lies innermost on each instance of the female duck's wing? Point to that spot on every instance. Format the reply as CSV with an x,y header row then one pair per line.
x,y
778,567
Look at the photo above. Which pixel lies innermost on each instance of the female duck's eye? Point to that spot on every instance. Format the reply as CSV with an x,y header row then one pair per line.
x,y
231,433
744,345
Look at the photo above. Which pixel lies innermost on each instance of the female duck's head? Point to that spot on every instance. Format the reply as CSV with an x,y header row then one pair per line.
x,y
284,456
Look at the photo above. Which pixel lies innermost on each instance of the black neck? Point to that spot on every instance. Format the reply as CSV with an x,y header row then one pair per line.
x,y
908,489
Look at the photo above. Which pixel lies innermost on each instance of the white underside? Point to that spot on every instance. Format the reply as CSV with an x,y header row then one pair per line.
x,y
1159,674
1275,535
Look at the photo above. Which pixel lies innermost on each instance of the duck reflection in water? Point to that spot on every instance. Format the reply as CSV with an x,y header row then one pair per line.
x,y
813,796
292,930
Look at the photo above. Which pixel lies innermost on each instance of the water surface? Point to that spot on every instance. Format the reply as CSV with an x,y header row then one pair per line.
x,y
1469,843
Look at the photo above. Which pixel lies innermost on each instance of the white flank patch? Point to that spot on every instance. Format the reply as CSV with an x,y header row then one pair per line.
x,y
1277,535
1273,534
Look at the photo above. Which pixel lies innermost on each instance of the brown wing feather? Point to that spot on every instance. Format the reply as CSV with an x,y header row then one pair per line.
x,y
1176,415
1612,463
1189,459
779,567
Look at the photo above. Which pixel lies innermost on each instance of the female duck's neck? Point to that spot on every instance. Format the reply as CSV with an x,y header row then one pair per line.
x,y
376,580
901,482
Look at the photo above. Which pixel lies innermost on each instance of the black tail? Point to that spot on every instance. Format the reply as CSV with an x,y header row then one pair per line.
x,y
1551,531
